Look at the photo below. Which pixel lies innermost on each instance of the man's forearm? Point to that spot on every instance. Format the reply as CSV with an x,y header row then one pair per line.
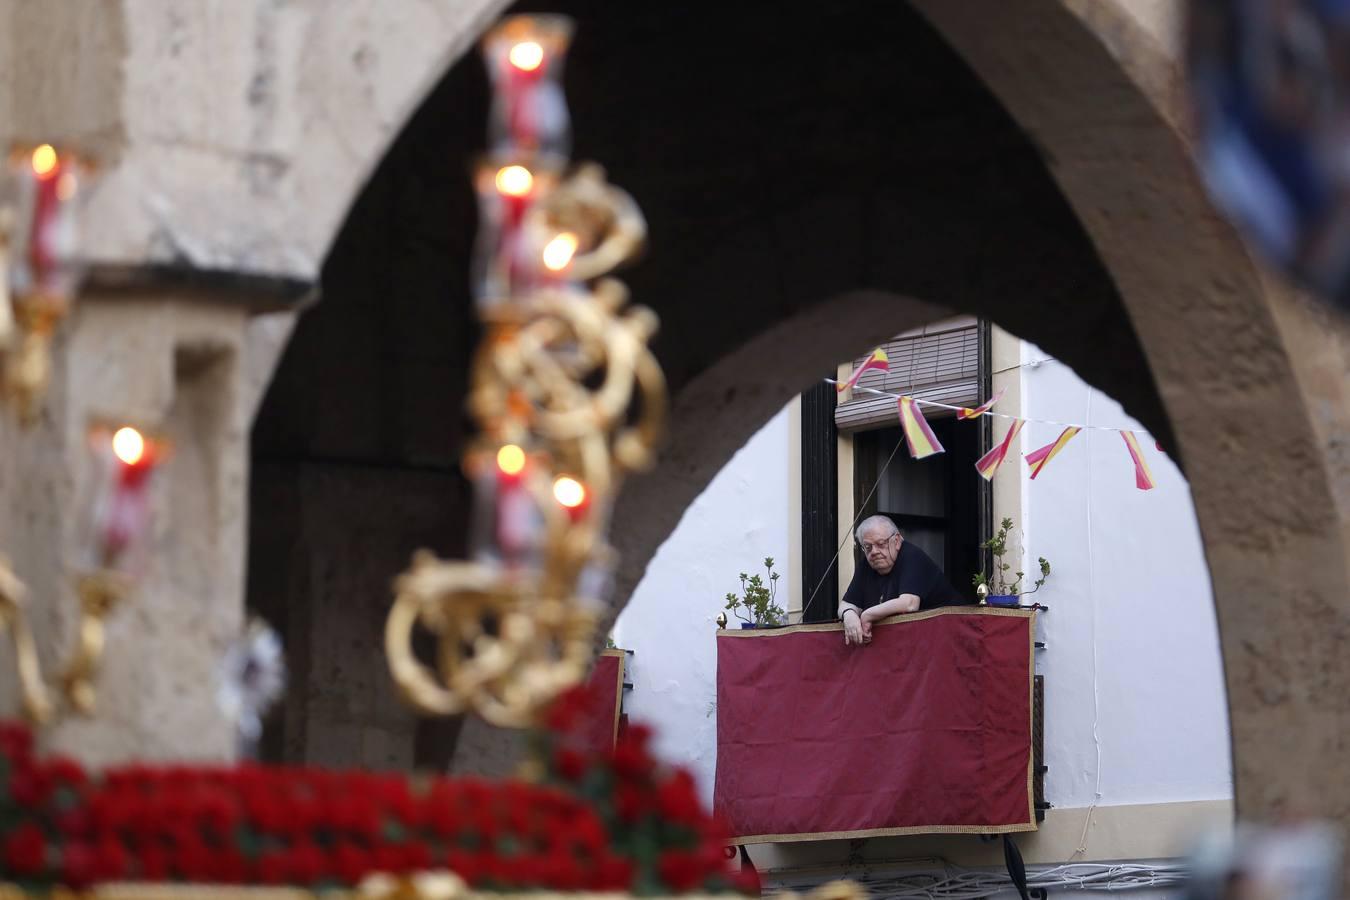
x,y
839,613
905,603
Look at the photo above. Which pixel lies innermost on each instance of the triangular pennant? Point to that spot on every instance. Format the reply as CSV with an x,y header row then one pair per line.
x,y
1040,458
1143,477
877,360
968,413
988,464
922,442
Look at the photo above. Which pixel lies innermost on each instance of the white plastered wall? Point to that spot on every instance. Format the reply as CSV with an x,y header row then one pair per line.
x,y
1132,666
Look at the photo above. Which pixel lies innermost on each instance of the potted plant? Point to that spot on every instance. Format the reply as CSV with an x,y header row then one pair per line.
x,y
755,606
1004,587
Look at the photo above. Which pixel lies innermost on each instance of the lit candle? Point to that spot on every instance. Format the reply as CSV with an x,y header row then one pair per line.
x,y
126,510
571,496
47,200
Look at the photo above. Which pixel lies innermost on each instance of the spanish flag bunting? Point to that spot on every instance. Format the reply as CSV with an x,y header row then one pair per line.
x,y
1039,459
988,464
1143,478
877,360
922,441
968,413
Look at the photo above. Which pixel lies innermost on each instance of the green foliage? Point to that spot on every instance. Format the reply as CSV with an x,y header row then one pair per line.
x,y
1006,581
756,602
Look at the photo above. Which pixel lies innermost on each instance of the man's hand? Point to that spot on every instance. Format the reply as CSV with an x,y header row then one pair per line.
x,y
853,627
868,619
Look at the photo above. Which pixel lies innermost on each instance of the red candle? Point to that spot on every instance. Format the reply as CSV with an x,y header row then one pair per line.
x,y
128,507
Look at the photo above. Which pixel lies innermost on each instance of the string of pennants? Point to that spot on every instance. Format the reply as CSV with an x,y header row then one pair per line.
x,y
923,442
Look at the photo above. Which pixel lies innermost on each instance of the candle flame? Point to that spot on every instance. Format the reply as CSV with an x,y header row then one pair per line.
x,y
526,56
559,251
514,181
128,445
511,459
569,492
44,160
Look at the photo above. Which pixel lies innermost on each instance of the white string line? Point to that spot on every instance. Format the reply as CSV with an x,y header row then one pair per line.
x,y
853,525
923,402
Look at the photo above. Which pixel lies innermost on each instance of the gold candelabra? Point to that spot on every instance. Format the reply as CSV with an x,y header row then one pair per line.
x,y
98,593
115,524
39,270
568,399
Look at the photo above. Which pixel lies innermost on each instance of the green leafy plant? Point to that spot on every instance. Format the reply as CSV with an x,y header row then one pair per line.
x,y
755,604
1005,581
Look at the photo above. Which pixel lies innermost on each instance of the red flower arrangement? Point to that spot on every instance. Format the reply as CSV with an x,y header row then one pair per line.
x,y
603,822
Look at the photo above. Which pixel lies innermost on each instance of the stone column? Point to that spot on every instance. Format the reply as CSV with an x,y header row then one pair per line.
x,y
174,353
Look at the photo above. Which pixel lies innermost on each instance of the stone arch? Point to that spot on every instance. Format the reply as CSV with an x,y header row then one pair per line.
x,y
803,187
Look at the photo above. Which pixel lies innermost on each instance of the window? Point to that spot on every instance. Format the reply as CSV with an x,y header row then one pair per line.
x,y
940,503
935,502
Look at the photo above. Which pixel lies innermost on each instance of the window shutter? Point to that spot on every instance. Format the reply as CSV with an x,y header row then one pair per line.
x,y
940,362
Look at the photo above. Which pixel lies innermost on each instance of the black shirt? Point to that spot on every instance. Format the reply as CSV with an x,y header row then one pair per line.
x,y
914,572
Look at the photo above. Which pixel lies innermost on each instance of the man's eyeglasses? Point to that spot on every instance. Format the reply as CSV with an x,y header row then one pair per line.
x,y
868,548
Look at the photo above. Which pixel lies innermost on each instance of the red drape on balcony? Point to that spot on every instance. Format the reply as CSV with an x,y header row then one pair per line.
x,y
599,727
927,729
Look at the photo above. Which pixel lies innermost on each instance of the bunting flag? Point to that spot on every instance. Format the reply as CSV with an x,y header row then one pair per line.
x,y
922,441
967,413
1039,459
988,464
1143,478
877,360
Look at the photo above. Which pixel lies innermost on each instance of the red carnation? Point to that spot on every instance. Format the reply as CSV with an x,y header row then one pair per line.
x,y
307,863
29,787
193,859
678,801
629,802
16,741
111,861
416,857
443,818
630,760
562,872
388,858
228,866
352,863
466,866
25,850
569,763
638,735
566,710
75,823
63,770
153,863
79,865
272,867
680,870
612,873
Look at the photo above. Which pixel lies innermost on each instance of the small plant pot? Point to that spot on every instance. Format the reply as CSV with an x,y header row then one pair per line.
x,y
749,625
1003,599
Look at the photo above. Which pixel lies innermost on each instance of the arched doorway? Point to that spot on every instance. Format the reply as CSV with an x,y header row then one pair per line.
x,y
816,180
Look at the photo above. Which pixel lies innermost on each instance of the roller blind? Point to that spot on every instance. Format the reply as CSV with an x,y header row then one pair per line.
x,y
940,362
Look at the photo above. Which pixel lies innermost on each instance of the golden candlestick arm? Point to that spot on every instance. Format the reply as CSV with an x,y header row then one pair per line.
x,y
99,593
564,371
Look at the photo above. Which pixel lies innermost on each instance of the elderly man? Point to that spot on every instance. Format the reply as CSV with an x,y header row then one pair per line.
x,y
898,578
